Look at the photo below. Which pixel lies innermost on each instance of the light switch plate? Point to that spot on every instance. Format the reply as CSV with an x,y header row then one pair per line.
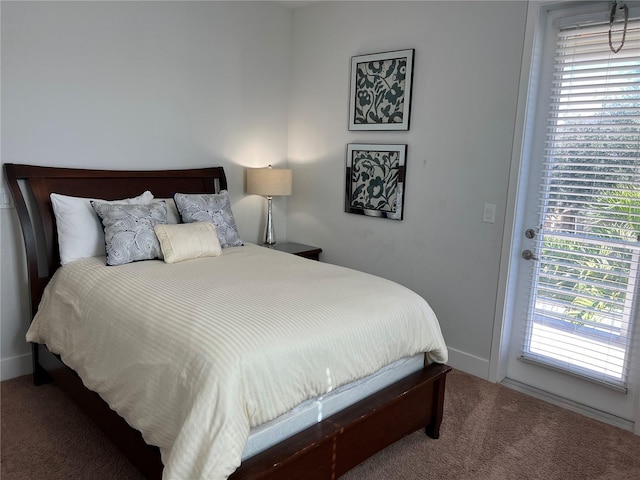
x,y
5,198
489,214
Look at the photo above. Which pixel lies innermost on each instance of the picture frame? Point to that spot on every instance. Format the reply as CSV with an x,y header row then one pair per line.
x,y
375,177
380,95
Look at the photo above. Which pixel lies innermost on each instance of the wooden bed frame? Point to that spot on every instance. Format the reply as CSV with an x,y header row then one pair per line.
x,y
323,451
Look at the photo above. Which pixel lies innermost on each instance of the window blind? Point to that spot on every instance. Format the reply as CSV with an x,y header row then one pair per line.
x,y
585,281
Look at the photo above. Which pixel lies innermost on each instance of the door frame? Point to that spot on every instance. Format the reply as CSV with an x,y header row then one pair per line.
x,y
512,239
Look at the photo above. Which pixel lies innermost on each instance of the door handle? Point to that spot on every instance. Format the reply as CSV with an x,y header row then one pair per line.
x,y
528,255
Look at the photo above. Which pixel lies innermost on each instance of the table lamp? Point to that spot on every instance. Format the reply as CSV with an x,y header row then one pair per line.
x,y
270,182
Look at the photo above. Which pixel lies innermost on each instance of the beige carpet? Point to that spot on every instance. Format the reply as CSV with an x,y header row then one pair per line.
x,y
489,432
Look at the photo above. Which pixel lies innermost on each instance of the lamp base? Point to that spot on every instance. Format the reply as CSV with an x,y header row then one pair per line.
x,y
269,234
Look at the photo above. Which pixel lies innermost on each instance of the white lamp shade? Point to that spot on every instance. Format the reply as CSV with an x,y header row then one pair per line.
x,y
271,182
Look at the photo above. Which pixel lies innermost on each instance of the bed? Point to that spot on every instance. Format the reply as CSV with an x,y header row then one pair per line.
x,y
395,395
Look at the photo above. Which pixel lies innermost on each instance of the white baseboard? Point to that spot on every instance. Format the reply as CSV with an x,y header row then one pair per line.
x,y
569,405
21,365
469,363
15,366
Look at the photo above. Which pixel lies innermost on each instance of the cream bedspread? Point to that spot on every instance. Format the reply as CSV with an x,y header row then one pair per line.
x,y
194,354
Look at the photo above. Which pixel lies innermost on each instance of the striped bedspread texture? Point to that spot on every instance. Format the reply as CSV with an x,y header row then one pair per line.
x,y
195,354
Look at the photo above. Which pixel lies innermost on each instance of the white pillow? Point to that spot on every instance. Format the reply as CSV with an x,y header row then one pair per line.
x,y
186,241
80,233
172,211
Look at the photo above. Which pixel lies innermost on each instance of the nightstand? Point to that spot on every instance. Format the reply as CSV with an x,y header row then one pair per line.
x,y
306,251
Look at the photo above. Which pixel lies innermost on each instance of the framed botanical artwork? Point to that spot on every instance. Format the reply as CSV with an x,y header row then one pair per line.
x,y
381,91
375,180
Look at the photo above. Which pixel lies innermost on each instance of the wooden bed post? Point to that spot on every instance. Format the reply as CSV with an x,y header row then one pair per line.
x,y
433,428
40,375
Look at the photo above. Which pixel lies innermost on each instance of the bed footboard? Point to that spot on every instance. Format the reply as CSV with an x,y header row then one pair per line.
x,y
323,451
344,440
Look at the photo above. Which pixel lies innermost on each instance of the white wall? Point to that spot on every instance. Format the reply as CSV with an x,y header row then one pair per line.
x,y
466,74
139,85
159,85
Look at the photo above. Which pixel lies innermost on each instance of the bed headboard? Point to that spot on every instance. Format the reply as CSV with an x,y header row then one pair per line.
x,y
31,186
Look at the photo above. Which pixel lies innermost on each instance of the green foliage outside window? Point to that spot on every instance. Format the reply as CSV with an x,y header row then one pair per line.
x,y
590,278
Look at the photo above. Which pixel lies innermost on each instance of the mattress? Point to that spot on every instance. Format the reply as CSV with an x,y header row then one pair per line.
x,y
316,409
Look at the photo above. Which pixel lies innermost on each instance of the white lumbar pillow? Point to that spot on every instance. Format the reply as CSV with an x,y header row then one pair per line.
x,y
187,241
80,233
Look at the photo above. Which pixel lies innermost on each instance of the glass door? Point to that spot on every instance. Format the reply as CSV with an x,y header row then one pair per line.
x,y
576,313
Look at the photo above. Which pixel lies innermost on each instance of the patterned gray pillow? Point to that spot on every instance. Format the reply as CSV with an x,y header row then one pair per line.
x,y
210,207
128,230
